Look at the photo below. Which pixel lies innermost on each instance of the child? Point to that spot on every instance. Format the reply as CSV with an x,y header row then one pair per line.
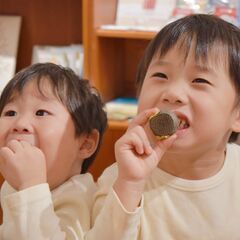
x,y
51,127
185,187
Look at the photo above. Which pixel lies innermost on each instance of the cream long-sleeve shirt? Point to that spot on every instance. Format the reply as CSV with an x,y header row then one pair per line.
x,y
180,209
36,213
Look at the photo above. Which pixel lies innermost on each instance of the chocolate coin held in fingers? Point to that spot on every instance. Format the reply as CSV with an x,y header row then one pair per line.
x,y
164,124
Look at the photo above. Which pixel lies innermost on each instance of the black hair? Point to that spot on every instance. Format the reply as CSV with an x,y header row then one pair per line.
x,y
80,98
206,32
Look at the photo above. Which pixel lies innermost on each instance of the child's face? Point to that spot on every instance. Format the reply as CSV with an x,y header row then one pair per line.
x,y
204,97
45,123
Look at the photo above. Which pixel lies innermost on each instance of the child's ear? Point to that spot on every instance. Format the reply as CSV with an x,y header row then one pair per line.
x,y
236,123
88,144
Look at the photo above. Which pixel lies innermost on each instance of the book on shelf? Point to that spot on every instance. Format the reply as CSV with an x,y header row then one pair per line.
x,y
147,15
121,108
67,56
152,15
10,32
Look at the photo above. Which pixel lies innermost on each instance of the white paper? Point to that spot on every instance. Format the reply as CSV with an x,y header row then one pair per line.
x,y
71,56
9,30
135,13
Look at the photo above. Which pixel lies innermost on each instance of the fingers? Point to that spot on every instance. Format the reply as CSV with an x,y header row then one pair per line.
x,y
163,145
143,117
6,153
11,148
14,145
137,137
25,144
140,142
6,160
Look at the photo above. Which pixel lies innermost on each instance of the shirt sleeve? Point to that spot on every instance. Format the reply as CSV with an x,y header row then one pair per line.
x,y
29,214
39,214
110,219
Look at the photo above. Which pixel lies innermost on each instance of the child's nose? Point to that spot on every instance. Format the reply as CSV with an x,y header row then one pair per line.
x,y
22,125
174,95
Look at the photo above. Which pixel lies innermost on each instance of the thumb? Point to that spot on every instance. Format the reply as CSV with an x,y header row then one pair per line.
x,y
163,145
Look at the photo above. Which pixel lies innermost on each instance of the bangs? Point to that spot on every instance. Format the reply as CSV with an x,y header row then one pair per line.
x,y
207,54
57,88
202,33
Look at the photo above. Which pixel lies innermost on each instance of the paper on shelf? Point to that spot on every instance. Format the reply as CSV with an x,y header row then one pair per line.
x,y
71,56
10,31
144,14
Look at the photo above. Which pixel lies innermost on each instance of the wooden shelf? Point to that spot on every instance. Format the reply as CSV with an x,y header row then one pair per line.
x,y
111,59
106,155
122,125
129,34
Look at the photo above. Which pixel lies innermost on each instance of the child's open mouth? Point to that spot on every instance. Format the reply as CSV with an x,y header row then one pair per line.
x,y
183,124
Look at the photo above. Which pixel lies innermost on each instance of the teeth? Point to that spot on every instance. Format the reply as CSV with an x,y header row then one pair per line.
x,y
183,124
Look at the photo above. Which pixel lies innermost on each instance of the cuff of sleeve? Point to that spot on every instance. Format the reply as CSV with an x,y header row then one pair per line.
x,y
27,196
137,210
122,223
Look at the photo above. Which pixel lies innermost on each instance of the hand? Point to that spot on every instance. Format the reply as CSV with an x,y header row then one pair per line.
x,y
22,165
136,160
135,156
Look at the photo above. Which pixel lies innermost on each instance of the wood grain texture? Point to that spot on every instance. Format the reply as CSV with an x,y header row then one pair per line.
x,y
51,22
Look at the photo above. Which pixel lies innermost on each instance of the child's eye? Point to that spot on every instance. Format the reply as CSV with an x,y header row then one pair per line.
x,y
9,113
201,80
160,75
42,112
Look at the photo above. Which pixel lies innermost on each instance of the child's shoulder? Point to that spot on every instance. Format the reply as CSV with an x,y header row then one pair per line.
x,y
81,183
233,149
233,155
109,175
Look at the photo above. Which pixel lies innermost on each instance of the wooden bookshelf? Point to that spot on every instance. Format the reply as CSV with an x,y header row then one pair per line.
x,y
111,56
111,60
127,34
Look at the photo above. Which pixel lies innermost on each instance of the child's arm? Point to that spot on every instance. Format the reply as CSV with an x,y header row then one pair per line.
x,y
136,160
36,213
116,214
31,210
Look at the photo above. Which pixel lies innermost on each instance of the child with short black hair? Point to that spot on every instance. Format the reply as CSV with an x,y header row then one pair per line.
x,y
187,186
51,127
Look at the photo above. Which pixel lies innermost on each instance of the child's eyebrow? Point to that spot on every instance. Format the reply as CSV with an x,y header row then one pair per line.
x,y
160,63
204,68
11,99
45,97
163,63
198,67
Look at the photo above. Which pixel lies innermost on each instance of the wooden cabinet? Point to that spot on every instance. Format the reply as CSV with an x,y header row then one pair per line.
x,y
111,60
